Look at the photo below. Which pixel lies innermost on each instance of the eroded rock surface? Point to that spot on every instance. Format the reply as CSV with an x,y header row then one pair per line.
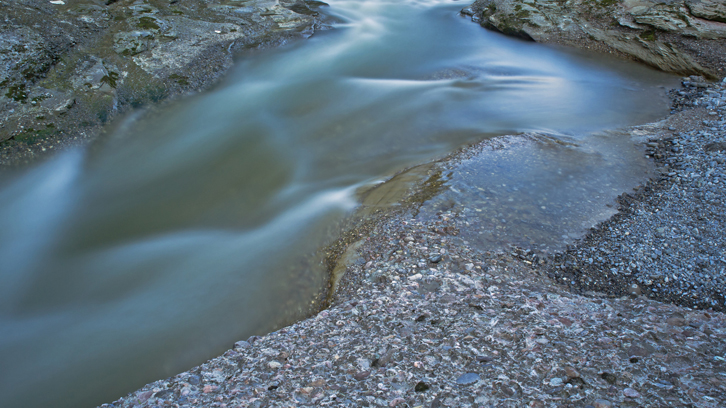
x,y
679,36
66,68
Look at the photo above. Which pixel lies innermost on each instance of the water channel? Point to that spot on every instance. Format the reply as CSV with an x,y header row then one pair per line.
x,y
187,229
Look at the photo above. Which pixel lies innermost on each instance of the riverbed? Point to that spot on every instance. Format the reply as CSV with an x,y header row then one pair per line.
x,y
192,226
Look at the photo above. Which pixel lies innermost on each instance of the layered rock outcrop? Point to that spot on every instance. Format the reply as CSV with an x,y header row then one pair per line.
x,y
66,67
680,36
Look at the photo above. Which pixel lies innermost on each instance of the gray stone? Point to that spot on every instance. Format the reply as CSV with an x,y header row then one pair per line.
x,y
468,379
602,403
132,43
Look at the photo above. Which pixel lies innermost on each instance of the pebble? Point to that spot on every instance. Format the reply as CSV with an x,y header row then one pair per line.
x,y
602,403
467,379
631,393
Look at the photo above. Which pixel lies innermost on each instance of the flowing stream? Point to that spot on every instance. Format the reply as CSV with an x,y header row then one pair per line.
x,y
187,229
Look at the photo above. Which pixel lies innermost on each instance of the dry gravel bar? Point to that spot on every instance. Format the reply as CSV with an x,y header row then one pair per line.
x,y
421,319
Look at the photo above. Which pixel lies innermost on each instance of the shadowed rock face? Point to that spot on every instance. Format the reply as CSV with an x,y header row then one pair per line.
x,y
683,37
65,69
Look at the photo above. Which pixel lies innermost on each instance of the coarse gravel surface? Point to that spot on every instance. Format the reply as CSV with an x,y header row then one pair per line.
x,y
667,241
422,319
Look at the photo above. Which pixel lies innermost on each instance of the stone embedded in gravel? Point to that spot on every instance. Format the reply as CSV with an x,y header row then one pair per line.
x,y
421,387
610,378
602,403
571,372
467,379
163,394
361,375
631,393
556,382
396,401
435,258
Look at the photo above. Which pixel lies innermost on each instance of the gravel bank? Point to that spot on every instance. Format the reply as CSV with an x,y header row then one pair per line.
x,y
667,241
421,319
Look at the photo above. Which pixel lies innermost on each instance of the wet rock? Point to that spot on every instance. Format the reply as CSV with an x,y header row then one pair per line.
x,y
91,52
571,372
602,403
132,43
708,9
556,382
436,258
631,393
163,394
609,377
396,402
580,24
467,379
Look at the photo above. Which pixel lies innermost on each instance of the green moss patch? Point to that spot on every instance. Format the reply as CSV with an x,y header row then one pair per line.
x,y
148,23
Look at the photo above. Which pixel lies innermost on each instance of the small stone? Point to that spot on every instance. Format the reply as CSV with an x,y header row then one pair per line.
x,y
146,395
556,382
361,375
610,378
242,345
194,379
637,351
602,403
209,388
163,394
274,365
396,401
421,387
571,372
317,383
631,393
676,321
634,289
435,258
467,379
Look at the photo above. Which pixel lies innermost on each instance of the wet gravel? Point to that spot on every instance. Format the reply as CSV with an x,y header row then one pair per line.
x,y
423,319
667,242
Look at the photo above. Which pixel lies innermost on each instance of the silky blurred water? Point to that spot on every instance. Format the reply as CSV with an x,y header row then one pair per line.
x,y
185,230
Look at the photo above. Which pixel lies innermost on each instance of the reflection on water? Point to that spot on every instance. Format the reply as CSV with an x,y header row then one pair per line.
x,y
536,192
188,229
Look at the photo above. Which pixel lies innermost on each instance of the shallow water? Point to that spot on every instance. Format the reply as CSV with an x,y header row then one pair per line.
x,y
188,229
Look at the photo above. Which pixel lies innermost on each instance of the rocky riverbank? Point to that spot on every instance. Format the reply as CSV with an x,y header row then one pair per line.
x,y
422,319
68,67
680,36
